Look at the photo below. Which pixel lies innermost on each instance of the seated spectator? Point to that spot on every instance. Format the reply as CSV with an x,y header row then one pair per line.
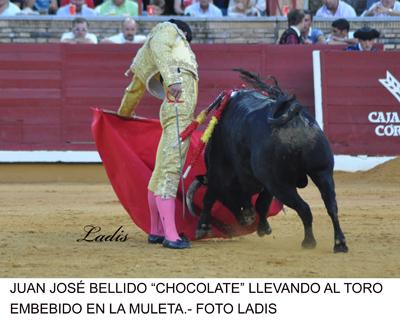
x,y
296,22
79,33
383,8
76,8
261,6
118,8
335,9
243,8
311,35
203,9
341,33
367,37
8,8
46,6
156,8
27,8
181,5
127,34
89,3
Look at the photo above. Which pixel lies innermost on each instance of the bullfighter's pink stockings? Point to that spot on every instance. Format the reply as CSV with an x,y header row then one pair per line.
x,y
166,208
156,227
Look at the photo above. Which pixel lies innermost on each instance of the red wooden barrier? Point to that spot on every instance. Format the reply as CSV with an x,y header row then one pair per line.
x,y
360,114
46,91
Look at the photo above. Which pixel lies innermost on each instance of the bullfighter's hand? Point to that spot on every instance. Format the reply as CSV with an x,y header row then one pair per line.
x,y
175,90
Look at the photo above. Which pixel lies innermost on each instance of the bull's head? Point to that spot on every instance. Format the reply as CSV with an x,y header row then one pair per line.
x,y
238,203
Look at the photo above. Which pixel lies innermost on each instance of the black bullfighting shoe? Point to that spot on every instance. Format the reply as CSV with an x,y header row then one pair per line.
x,y
183,237
153,239
178,244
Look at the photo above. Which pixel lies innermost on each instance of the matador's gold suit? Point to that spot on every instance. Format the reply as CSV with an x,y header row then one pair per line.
x,y
166,52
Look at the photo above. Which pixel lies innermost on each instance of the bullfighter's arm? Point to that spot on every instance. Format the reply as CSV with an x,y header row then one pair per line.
x,y
133,94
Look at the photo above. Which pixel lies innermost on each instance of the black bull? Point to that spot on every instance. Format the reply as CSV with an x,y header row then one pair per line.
x,y
267,147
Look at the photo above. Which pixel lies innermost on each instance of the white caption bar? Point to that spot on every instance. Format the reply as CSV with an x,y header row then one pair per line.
x,y
367,299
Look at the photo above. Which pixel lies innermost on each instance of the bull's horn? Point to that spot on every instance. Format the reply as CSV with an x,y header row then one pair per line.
x,y
190,195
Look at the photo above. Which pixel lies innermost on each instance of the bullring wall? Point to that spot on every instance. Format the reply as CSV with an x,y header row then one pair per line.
x,y
47,90
48,29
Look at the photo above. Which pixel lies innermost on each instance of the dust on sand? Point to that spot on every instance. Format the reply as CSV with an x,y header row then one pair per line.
x,y
43,211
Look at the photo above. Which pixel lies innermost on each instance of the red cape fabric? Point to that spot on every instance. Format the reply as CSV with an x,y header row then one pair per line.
x,y
128,148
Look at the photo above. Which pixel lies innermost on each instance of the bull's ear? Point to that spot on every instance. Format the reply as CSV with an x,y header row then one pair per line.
x,y
202,179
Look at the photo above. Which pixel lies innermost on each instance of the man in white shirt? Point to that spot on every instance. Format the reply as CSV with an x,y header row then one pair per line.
x,y
341,33
383,8
203,9
246,8
127,34
79,33
335,9
8,8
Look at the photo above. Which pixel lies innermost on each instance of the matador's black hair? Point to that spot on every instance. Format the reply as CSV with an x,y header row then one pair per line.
x,y
184,27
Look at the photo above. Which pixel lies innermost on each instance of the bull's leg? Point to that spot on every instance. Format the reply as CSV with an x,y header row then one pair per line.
x,y
324,181
204,224
262,204
288,195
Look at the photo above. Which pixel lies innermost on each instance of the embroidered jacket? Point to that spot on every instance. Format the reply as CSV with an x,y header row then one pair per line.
x,y
165,52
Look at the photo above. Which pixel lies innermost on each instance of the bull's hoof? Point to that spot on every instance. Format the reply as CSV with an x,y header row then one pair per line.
x,y
309,244
341,247
264,230
202,231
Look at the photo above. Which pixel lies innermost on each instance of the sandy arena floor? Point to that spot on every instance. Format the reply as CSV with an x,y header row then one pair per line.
x,y
41,222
